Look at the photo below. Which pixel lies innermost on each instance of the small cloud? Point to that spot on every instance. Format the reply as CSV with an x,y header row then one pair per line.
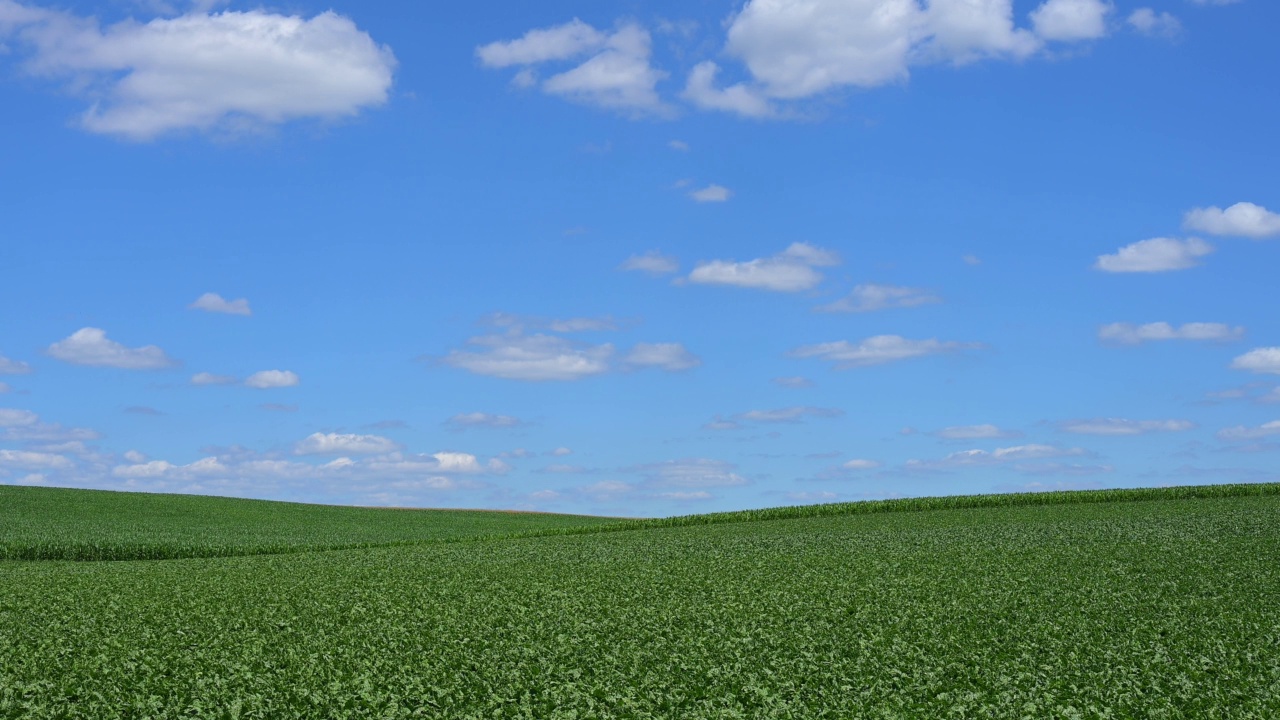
x,y
720,423
12,417
878,350
1121,426
1263,360
135,457
13,367
534,358
561,452
339,444
860,465
1155,255
1150,22
788,415
975,432
484,420
652,262
388,425
1240,220
143,410
214,303
90,346
792,270
678,145
795,382
712,193
972,260
1130,334
869,298
1071,20
740,98
205,378
672,357
1240,432
691,473
686,496
266,379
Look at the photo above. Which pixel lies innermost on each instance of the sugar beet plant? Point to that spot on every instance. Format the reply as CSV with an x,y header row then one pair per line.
x,y
1168,608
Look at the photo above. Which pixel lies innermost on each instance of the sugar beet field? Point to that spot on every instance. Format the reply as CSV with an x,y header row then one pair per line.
x,y
1106,604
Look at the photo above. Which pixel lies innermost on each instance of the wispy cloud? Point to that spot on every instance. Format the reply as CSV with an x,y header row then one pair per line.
x,y
878,350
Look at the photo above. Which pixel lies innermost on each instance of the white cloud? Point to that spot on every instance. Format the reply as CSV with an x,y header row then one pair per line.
x,y
90,346
1150,22
12,417
13,367
972,260
266,379
338,444
671,357
795,382
1020,454
205,378
869,298
1155,255
790,271
1121,426
207,71
518,323
967,30
789,414
33,460
561,452
691,473
1243,219
1130,334
712,193
215,303
617,76
652,262
1070,20
480,419
1261,360
516,356
859,464
878,350
561,42
134,456
740,98
974,432
1240,432
678,145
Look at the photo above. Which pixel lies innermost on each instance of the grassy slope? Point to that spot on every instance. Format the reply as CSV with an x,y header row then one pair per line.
x,y
1167,608
58,524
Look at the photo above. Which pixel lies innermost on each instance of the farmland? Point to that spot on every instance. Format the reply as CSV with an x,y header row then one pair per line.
x,y
1159,604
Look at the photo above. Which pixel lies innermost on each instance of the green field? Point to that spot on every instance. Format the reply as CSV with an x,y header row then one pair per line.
x,y
1147,604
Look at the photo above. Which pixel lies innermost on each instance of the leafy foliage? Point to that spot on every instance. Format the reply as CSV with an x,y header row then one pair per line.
x,y
1168,608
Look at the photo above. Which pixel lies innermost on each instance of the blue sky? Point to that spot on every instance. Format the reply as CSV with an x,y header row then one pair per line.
x,y
638,258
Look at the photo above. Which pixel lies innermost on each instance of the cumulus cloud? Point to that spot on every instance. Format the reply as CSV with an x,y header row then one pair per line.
x,y
792,270
1155,255
869,298
712,193
672,357
975,432
1122,426
617,75
652,262
27,460
340,444
1130,334
266,379
91,346
516,356
740,98
878,350
1261,360
484,420
1149,22
17,425
1242,433
215,303
205,378
1243,219
13,367
1071,20
205,71
13,417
